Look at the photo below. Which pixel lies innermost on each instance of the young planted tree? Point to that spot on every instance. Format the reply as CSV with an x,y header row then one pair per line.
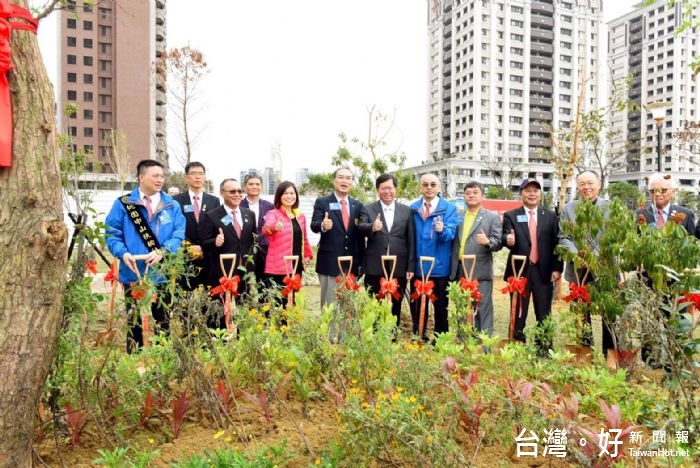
x,y
186,69
118,157
504,169
32,241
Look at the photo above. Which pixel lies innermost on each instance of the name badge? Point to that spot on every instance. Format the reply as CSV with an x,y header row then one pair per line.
x,y
522,218
226,220
334,206
188,208
165,218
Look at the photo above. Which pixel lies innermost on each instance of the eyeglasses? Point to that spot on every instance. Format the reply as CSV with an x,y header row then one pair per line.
x,y
658,190
233,192
196,173
429,184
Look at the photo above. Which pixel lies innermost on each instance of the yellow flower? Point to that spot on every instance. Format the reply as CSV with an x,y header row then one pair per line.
x,y
399,389
151,441
219,434
317,462
353,381
395,396
260,327
265,307
429,439
354,390
293,363
195,332
364,404
228,439
273,328
411,399
283,328
253,312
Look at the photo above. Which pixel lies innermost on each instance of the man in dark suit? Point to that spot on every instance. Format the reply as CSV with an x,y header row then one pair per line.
x,y
660,209
229,229
336,217
388,227
194,203
252,183
532,231
478,234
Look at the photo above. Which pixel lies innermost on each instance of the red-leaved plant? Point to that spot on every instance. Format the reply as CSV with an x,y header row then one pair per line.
x,y
179,407
77,419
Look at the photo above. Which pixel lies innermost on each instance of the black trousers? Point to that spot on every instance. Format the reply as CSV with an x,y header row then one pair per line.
x,y
439,306
134,335
587,338
372,284
540,290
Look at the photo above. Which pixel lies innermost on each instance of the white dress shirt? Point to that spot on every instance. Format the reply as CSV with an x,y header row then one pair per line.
x,y
389,211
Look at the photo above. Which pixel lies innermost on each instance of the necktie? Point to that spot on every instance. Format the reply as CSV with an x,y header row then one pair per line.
x,y
195,203
426,210
660,218
534,250
147,202
236,225
345,214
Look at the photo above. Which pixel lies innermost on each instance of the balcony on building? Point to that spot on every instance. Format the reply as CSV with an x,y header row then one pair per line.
x,y
541,61
635,48
540,141
160,16
540,20
636,25
537,128
541,74
542,7
542,34
537,114
545,88
542,47
636,38
540,101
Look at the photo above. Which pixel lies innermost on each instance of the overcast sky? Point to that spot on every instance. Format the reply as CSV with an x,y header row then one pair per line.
x,y
298,73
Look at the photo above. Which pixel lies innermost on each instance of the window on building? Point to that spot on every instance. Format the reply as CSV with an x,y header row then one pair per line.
x,y
87,132
87,25
71,23
71,59
87,78
516,92
71,41
72,95
87,114
516,9
87,61
516,23
87,96
87,43
72,77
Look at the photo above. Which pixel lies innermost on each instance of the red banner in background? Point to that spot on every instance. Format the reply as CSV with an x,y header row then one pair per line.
x,y
9,14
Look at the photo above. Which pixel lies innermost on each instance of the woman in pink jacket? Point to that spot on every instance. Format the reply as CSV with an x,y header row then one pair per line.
x,y
285,226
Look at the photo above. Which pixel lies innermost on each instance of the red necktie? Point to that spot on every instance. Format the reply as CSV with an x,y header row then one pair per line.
x,y
147,202
345,214
426,211
236,225
534,250
660,219
195,202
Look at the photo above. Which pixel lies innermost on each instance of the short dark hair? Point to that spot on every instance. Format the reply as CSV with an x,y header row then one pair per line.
x,y
192,164
474,184
145,164
252,175
221,185
335,173
281,188
383,178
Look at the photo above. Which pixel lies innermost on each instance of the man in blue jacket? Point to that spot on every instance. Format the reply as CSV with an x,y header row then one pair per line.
x,y
145,222
436,222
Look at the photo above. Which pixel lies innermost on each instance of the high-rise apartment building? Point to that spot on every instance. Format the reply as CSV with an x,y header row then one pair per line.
x,y
501,74
643,45
108,57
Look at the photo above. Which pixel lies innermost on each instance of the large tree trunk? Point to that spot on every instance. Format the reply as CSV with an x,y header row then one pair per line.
x,y
32,251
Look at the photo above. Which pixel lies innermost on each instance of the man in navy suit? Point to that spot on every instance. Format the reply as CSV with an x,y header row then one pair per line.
x,y
661,209
252,183
194,204
336,217
533,231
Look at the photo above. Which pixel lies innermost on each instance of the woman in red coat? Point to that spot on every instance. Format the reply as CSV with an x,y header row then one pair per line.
x,y
285,226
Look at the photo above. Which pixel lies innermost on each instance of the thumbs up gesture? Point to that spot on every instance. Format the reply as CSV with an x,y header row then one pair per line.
x,y
327,223
510,238
278,226
219,241
439,225
378,225
482,239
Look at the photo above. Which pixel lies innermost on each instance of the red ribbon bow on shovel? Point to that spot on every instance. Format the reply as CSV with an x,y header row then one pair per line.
x,y
578,294
472,287
350,283
389,288
227,285
516,285
421,288
293,284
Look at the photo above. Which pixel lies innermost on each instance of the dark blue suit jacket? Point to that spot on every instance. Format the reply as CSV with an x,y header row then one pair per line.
x,y
337,241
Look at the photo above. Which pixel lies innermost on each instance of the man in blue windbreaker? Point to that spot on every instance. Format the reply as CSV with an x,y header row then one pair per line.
x,y
145,222
436,222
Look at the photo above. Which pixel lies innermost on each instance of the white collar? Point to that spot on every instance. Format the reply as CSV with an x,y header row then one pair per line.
x,y
192,194
390,206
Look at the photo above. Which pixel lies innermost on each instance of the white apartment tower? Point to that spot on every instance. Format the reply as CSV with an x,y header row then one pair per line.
x,y
500,73
644,45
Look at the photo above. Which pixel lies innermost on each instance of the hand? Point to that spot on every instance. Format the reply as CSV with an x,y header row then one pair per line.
x,y
154,257
409,275
196,251
481,238
129,261
556,276
510,239
279,226
219,238
327,223
439,226
378,225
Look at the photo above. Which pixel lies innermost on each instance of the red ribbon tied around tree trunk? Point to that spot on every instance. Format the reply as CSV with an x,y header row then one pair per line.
x,y
112,275
472,287
578,294
420,288
9,11
227,285
389,288
293,284
350,283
